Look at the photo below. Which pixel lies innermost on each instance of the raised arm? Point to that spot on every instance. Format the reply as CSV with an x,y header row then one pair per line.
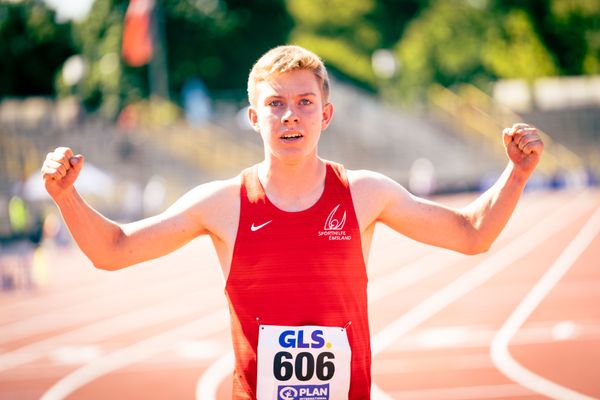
x,y
110,245
469,230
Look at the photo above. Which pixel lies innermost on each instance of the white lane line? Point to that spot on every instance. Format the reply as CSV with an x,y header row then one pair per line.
x,y
465,337
201,349
102,330
499,349
207,386
383,242
87,284
411,273
428,264
207,325
103,306
478,275
465,393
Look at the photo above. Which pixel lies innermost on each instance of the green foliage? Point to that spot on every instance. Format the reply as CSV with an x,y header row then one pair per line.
x,y
435,41
469,41
573,35
444,44
214,40
32,48
331,29
568,29
516,51
218,40
103,86
345,33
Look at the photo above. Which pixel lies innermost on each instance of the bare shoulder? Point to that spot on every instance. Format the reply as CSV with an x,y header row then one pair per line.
x,y
372,192
364,178
213,205
370,184
212,193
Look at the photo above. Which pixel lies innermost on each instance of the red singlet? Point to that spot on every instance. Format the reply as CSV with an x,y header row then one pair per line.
x,y
298,268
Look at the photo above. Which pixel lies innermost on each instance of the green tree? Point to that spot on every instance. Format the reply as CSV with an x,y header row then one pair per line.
x,y
471,41
214,40
443,44
569,29
514,50
219,40
346,33
32,48
106,82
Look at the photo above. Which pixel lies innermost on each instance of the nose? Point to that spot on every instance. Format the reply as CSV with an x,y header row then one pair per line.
x,y
289,116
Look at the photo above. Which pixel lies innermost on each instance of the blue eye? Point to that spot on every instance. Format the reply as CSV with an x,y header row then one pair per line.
x,y
305,102
275,103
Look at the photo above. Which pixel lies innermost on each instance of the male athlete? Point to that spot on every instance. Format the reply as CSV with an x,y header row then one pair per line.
x,y
293,233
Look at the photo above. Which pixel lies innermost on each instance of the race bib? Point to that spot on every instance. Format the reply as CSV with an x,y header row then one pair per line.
x,y
303,363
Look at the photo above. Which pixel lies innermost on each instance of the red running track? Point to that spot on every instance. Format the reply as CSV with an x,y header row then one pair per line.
x,y
519,322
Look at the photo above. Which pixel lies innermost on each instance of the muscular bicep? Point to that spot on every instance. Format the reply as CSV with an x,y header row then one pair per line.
x,y
420,219
189,217
158,235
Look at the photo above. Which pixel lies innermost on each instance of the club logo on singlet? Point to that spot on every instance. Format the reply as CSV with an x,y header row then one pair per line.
x,y
333,229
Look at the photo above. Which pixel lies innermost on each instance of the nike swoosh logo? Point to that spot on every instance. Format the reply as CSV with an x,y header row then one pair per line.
x,y
255,228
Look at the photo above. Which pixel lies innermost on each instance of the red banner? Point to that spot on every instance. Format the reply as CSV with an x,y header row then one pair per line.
x,y
137,36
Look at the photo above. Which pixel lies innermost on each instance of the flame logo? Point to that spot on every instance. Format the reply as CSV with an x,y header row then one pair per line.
x,y
334,224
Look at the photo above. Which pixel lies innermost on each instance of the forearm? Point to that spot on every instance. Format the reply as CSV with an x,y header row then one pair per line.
x,y
489,213
95,235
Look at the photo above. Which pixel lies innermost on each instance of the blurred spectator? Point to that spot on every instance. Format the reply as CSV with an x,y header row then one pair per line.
x,y
18,247
196,102
17,215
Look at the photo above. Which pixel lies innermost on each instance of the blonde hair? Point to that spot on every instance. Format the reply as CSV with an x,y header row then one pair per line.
x,y
283,59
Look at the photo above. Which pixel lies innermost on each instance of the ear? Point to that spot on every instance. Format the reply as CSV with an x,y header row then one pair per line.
x,y
253,117
327,115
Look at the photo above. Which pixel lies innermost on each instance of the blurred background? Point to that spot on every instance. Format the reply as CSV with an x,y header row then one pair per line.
x,y
153,93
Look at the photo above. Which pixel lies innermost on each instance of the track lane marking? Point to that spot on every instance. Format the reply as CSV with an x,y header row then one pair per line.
x,y
499,348
207,325
476,276
90,283
207,386
103,307
465,393
101,330
96,283
411,273
435,260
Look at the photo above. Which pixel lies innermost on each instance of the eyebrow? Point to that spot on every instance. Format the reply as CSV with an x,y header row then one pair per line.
x,y
307,94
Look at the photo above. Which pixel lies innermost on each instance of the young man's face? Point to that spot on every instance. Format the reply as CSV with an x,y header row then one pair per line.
x,y
289,114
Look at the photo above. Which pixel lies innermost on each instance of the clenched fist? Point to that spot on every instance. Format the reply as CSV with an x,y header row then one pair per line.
x,y
524,146
60,170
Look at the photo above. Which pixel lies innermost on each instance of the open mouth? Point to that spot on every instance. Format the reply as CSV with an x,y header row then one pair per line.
x,y
288,137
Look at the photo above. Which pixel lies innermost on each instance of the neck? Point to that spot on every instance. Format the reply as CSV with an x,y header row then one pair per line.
x,y
293,186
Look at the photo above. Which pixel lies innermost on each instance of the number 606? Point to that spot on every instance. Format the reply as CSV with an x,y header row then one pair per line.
x,y
304,366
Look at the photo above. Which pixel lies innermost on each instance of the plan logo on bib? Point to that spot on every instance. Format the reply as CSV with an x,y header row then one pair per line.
x,y
333,229
303,392
306,362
